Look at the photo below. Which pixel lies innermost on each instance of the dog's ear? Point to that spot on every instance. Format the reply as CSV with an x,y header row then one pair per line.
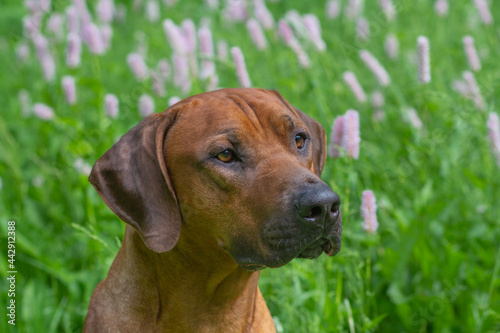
x,y
318,140
132,179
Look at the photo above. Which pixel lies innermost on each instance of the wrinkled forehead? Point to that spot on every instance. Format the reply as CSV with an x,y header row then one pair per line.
x,y
260,112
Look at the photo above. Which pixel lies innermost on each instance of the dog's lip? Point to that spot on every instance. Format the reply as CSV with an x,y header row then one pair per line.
x,y
253,267
329,248
327,245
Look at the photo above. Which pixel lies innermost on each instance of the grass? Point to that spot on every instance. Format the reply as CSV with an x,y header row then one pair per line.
x,y
432,266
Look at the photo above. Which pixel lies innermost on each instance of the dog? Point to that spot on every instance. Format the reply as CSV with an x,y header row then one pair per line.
x,y
214,189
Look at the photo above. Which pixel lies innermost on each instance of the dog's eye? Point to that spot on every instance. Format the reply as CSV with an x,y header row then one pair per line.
x,y
226,156
300,141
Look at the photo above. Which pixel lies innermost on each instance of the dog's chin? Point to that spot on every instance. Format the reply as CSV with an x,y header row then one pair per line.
x,y
253,267
323,245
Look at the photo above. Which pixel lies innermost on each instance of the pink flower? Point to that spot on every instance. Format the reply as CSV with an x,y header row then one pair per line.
x,y
45,5
142,43
241,69
68,85
106,35
55,25
474,90
136,5
163,68
285,32
369,211
22,51
120,12
170,3
461,87
471,53
336,137
353,83
175,36
82,167
391,46
85,19
158,85
45,57
295,20
213,83
313,27
350,137
173,100
333,9
189,30
494,133
388,8
43,111
73,20
138,66
153,11
414,119
37,6
354,9
263,14
146,105
33,6
378,99
441,7
38,181
257,34
41,46
424,60
362,29
212,4
93,38
181,72
206,52
74,50
105,10
302,56
32,25
235,11
80,4
25,102
484,11
288,37
111,105
350,134
378,115
222,50
377,69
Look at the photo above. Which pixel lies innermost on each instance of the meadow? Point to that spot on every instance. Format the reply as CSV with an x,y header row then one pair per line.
x,y
433,263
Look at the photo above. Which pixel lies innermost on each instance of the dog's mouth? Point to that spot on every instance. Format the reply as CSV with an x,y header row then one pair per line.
x,y
329,248
283,245
314,250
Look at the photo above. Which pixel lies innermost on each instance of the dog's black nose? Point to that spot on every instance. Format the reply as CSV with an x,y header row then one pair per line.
x,y
318,204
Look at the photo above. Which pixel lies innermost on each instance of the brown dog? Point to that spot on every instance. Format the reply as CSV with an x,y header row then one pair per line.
x,y
215,188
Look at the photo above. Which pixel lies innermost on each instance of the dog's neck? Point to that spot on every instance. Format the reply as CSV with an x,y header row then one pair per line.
x,y
185,283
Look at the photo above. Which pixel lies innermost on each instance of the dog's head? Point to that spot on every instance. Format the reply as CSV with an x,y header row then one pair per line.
x,y
236,170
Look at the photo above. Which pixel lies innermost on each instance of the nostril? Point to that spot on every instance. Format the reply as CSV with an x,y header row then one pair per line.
x,y
312,212
316,211
335,204
335,207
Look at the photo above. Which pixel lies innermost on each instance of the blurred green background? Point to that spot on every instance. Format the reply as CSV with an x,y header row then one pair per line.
x,y
432,266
